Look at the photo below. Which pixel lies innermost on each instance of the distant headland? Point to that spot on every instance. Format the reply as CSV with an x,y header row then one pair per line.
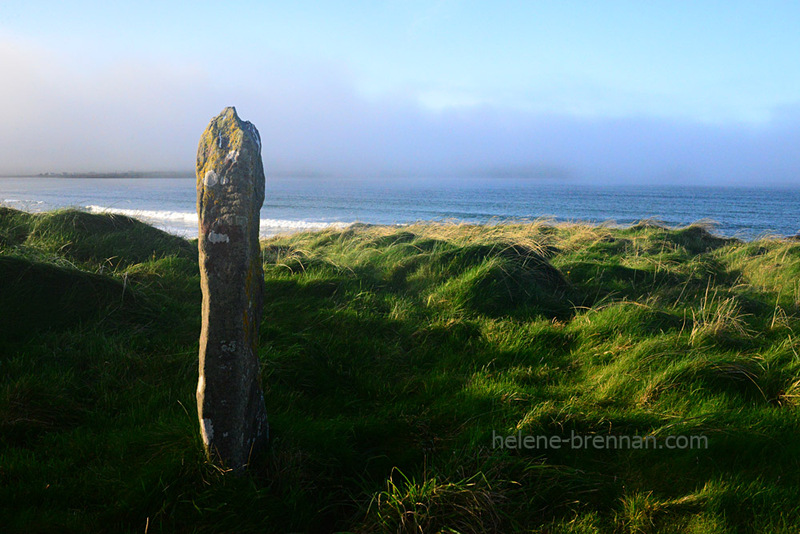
x,y
125,174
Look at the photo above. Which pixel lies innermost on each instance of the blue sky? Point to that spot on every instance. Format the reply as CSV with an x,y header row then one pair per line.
x,y
614,91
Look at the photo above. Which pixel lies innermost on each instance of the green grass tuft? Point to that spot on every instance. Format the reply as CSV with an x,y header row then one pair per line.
x,y
394,359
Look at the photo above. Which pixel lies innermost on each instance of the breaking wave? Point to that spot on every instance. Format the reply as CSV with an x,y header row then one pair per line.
x,y
185,223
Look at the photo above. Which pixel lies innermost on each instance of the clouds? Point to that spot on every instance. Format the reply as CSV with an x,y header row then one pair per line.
x,y
61,112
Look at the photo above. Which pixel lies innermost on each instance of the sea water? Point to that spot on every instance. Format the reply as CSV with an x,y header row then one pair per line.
x,y
308,203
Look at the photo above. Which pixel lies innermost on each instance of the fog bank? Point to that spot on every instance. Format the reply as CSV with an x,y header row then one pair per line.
x,y
147,114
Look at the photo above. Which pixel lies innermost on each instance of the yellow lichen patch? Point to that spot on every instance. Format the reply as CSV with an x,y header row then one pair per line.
x,y
223,134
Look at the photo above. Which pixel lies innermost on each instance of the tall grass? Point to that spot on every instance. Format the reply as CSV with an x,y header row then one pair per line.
x,y
393,359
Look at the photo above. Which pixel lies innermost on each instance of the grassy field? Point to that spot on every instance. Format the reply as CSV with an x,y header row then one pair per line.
x,y
395,363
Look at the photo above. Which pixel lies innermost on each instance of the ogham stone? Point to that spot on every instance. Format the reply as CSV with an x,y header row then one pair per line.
x,y
230,192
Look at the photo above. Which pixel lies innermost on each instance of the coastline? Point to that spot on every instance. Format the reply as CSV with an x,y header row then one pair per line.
x,y
304,204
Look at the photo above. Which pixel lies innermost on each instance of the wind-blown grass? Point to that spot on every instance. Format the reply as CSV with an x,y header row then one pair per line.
x,y
393,361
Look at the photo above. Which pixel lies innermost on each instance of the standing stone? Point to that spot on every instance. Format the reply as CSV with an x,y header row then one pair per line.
x,y
230,192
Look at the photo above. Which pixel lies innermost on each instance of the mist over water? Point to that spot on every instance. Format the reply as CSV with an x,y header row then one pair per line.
x,y
314,118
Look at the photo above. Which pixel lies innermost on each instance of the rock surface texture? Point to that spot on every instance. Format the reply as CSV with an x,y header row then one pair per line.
x,y
230,192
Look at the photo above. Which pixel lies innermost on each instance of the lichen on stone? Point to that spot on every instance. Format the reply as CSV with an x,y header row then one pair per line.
x,y
230,193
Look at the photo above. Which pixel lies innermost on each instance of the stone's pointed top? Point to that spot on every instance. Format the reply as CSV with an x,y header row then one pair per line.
x,y
229,115
228,120
227,138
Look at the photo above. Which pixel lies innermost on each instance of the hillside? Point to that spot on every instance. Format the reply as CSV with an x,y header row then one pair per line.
x,y
397,363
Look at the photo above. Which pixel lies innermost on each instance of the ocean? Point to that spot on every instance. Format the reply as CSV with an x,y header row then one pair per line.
x,y
307,203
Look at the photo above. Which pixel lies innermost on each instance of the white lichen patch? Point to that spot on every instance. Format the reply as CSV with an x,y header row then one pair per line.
x,y
210,179
207,430
214,237
228,347
232,155
251,129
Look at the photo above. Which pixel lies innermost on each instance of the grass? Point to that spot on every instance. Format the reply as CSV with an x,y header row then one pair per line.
x,y
393,361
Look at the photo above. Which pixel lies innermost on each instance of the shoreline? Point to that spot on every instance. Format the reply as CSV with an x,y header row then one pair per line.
x,y
164,220
301,204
